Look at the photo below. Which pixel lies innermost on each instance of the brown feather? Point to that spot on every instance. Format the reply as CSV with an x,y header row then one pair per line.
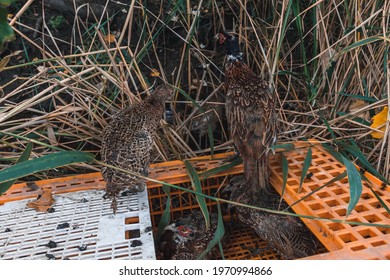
x,y
128,141
251,116
288,235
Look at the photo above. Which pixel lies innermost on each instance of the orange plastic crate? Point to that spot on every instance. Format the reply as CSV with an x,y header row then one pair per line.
x,y
342,240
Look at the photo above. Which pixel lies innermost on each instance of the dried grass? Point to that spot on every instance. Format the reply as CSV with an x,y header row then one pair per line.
x,y
316,56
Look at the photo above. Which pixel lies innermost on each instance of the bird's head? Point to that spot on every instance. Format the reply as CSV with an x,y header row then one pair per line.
x,y
231,45
161,94
180,233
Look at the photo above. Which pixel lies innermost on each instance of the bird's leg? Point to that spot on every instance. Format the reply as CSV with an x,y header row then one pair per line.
x,y
114,205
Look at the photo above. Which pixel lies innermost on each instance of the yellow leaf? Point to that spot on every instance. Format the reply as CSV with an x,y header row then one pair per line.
x,y
379,121
109,38
154,73
10,16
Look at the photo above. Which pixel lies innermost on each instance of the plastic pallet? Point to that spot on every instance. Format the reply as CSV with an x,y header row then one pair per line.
x,y
81,227
342,240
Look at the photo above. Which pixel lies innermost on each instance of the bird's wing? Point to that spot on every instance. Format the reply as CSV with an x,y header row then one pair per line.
x,y
267,104
251,113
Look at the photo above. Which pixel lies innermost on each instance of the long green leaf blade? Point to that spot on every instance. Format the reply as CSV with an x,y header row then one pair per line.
x,y
305,168
285,175
285,147
166,216
218,235
197,186
333,152
211,138
355,184
380,201
24,157
219,169
43,163
354,150
362,43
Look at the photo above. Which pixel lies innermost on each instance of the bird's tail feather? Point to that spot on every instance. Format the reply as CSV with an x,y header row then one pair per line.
x,y
256,172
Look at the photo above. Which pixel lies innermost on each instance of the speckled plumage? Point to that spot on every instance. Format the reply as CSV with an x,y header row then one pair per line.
x,y
250,108
288,235
128,141
187,238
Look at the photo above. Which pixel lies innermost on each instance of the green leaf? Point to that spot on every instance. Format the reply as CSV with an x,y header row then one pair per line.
x,y
285,174
332,151
306,165
361,43
43,163
355,184
329,128
380,201
291,73
197,186
299,23
211,138
24,157
219,169
369,185
356,119
285,147
166,216
360,97
218,235
354,150
6,32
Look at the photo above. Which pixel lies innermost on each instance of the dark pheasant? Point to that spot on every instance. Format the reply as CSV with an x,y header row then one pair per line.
x,y
287,235
250,109
128,141
187,238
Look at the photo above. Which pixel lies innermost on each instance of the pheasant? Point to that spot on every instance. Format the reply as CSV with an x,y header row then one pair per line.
x,y
288,235
128,141
250,109
187,238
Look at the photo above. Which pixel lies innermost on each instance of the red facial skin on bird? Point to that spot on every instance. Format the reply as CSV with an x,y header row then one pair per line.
x,y
184,231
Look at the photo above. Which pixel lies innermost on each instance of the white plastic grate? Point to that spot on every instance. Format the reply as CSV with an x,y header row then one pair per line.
x,y
94,232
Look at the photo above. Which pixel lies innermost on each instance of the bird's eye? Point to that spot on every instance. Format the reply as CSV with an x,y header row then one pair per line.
x,y
183,230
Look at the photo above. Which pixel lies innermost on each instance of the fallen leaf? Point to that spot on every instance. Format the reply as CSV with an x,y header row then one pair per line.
x,y
109,38
43,202
379,121
154,73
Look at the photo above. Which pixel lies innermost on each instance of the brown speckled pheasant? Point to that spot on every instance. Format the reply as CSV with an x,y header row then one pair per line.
x,y
187,238
128,141
288,235
250,109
